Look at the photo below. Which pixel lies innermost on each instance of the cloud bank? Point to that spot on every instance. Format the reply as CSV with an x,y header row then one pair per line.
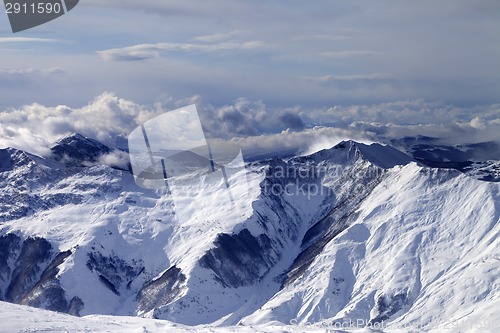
x,y
35,127
260,130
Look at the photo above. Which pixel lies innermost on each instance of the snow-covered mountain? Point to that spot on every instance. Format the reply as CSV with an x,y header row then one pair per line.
x,y
478,160
355,235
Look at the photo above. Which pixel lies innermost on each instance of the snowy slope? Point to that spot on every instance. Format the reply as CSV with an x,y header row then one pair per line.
x,y
478,160
355,233
423,250
105,220
16,318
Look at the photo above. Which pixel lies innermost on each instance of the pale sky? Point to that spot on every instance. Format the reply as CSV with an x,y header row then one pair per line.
x,y
300,59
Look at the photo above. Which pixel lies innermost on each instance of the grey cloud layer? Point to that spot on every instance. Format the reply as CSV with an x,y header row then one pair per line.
x,y
285,52
257,128
148,51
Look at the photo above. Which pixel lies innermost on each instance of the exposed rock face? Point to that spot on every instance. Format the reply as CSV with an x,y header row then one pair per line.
x,y
77,150
114,272
388,305
161,291
28,272
34,256
240,259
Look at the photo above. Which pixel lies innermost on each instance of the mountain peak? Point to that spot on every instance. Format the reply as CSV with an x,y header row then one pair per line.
x,y
383,156
12,156
76,139
76,149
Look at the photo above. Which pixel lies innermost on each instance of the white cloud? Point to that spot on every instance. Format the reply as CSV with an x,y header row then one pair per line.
x,y
478,123
248,118
34,127
31,71
218,37
116,158
304,142
259,129
23,138
147,51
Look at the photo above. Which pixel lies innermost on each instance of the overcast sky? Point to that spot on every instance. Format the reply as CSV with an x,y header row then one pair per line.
x,y
299,59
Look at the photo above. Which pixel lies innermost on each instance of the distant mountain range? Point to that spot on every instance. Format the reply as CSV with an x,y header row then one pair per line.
x,y
357,233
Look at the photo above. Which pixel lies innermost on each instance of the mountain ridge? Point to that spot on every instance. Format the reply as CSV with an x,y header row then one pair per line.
x,y
241,262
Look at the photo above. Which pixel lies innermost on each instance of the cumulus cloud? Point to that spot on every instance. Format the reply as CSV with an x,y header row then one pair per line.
x,y
109,119
116,158
259,129
290,119
305,142
35,127
248,118
148,51
23,138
